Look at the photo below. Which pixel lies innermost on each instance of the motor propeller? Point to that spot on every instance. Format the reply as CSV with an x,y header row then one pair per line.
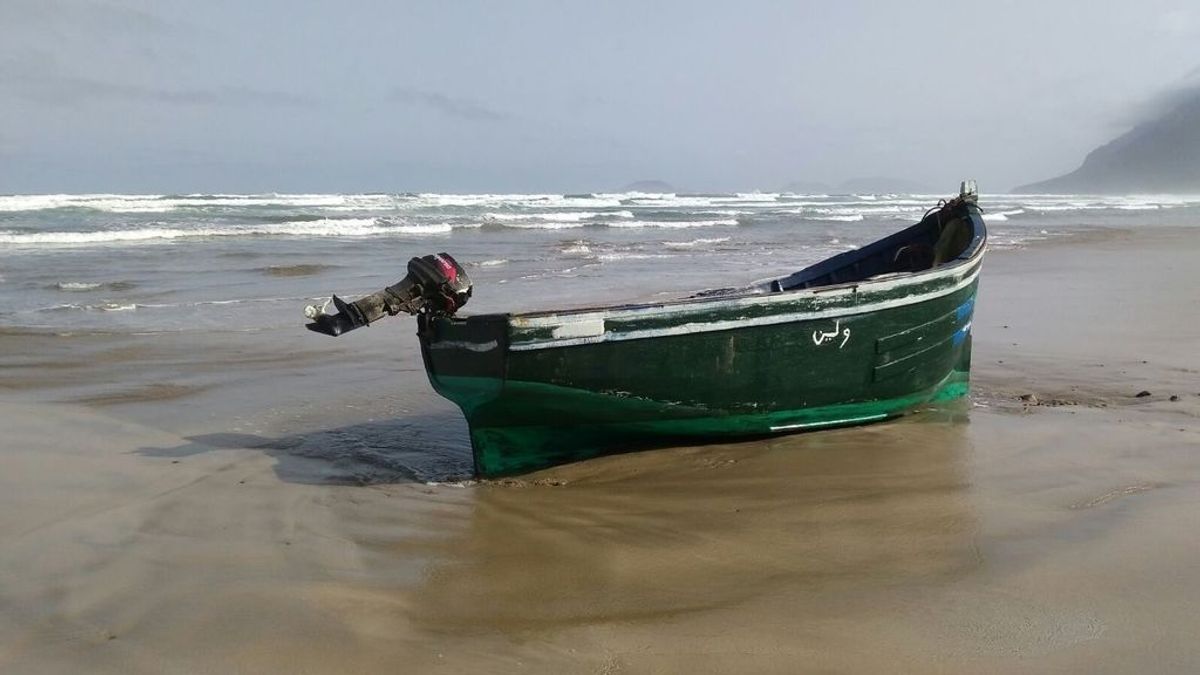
x,y
435,284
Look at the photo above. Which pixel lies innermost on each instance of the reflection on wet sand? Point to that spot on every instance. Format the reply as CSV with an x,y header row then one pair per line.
x,y
417,448
658,535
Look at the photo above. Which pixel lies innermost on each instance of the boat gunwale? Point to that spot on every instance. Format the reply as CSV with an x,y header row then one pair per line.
x,y
680,306
966,279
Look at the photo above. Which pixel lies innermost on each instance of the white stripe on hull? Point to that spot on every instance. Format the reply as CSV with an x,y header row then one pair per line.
x,y
545,320
712,326
829,423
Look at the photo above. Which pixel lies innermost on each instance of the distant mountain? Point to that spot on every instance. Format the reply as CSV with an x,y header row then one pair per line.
x,y
1159,155
650,187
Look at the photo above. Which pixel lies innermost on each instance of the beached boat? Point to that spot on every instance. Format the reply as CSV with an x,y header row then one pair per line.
x,y
863,336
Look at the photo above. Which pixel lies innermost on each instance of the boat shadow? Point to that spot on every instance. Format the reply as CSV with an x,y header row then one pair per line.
x,y
435,448
422,448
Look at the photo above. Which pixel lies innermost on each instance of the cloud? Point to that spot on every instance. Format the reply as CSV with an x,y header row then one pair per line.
x,y
80,16
451,106
44,82
1186,91
1179,23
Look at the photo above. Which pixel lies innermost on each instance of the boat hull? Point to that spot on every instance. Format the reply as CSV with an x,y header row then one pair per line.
x,y
557,389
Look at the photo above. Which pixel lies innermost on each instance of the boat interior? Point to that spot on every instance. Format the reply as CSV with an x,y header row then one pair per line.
x,y
944,236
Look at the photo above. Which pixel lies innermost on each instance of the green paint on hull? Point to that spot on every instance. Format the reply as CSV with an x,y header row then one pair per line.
x,y
554,406
506,450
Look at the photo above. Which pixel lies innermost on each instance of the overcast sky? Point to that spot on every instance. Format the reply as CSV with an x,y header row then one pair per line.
x,y
279,95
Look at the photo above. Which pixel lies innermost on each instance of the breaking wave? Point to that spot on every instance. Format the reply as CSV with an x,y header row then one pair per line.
x,y
675,223
349,227
576,248
88,286
838,218
98,307
561,216
114,220
115,203
694,243
613,257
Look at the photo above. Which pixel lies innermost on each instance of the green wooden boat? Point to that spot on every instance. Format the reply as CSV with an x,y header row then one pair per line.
x,y
864,336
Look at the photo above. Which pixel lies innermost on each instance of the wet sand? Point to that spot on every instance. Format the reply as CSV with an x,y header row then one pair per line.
x,y
209,507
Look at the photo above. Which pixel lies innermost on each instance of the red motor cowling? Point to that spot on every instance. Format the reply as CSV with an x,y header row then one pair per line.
x,y
436,284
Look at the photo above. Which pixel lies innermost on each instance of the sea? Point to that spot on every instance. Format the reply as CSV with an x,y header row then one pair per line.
x,y
155,264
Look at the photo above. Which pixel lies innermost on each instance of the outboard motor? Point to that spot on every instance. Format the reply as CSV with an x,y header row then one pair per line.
x,y
436,284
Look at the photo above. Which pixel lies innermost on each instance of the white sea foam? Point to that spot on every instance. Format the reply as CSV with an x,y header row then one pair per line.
x,y
342,231
997,243
432,228
544,224
694,243
101,307
611,257
674,223
154,203
838,218
236,301
14,203
654,201
840,201
513,217
9,237
556,216
1018,239
644,196
427,200
345,227
1043,208
162,204
337,227
854,214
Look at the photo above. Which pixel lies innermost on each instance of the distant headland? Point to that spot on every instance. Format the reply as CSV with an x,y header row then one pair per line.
x,y
650,187
1160,155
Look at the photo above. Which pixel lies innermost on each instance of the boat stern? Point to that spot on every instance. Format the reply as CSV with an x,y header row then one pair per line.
x,y
465,357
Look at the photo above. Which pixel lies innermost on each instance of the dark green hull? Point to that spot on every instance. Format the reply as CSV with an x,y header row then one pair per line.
x,y
544,389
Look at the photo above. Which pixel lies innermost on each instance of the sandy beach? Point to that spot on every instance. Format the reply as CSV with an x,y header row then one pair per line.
x,y
181,505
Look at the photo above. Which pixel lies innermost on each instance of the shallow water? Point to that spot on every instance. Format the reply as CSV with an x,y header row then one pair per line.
x,y
153,263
